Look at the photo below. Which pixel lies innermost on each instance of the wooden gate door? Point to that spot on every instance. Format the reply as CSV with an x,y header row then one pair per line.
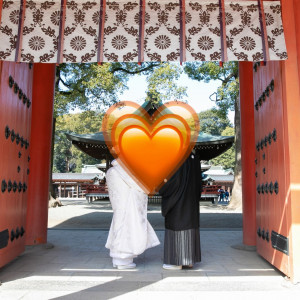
x,y
272,219
15,120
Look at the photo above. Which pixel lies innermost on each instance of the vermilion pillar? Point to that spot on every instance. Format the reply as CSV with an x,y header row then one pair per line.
x,y
297,21
40,153
248,152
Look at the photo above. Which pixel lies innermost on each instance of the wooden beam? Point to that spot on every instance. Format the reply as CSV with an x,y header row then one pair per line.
x,y
61,31
20,30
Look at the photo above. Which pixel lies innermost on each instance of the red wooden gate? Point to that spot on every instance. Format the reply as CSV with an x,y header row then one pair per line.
x,y
272,94
15,119
271,167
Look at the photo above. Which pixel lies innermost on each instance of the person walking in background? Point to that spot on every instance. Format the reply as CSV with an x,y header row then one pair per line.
x,y
226,196
221,195
130,232
180,207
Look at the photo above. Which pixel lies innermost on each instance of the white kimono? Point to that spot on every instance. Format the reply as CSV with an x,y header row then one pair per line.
x,y
130,232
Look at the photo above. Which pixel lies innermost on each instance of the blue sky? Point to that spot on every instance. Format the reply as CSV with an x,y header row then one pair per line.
x,y
198,92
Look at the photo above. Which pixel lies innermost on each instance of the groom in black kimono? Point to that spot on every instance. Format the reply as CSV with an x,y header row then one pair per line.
x,y
180,207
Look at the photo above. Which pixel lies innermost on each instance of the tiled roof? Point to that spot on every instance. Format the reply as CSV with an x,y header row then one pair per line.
x,y
207,146
218,170
98,138
74,176
220,178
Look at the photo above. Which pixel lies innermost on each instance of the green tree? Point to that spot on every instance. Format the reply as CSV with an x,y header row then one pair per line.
x,y
162,84
96,87
226,98
62,153
90,86
227,94
67,158
227,159
212,121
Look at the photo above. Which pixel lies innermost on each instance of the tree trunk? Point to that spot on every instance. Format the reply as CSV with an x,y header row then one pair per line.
x,y
51,187
236,198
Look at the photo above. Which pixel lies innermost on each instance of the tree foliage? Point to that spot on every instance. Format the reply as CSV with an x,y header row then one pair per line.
x,y
163,84
94,87
227,159
67,158
212,121
228,91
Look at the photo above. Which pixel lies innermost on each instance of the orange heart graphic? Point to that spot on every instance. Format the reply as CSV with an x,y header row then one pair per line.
x,y
150,149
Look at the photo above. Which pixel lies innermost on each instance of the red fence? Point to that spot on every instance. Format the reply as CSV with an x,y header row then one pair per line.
x,y
210,189
94,188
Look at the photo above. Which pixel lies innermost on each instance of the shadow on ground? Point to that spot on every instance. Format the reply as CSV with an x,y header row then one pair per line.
x,y
101,219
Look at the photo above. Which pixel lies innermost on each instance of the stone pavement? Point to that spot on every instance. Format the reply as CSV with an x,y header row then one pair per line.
x,y
78,267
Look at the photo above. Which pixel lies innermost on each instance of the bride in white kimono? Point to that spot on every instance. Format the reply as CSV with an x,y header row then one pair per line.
x,y
130,232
